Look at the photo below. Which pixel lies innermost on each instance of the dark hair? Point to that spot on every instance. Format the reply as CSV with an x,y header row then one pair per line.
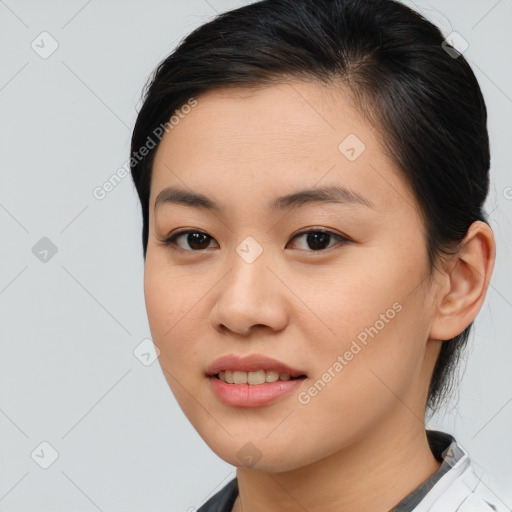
x,y
404,77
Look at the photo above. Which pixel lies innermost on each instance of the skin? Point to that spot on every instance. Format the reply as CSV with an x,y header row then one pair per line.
x,y
360,443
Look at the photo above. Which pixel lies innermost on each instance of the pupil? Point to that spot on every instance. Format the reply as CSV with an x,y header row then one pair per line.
x,y
318,238
194,240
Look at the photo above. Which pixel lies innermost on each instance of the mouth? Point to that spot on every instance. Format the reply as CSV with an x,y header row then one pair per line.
x,y
252,369
254,378
252,381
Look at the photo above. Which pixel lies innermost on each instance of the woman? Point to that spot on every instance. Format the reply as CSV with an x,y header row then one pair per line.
x,y
312,177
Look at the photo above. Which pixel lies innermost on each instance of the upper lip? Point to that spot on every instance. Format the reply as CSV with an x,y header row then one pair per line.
x,y
251,363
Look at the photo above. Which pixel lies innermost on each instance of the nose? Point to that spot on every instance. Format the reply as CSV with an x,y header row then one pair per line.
x,y
250,297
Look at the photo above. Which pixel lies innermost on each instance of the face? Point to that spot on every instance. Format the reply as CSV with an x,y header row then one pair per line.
x,y
331,284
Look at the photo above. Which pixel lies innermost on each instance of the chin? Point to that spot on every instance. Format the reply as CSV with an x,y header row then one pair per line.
x,y
258,454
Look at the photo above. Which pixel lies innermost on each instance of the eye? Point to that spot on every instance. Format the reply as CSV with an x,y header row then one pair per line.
x,y
318,238
198,240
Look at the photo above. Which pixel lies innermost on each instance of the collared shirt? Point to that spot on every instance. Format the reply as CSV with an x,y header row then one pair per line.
x,y
454,487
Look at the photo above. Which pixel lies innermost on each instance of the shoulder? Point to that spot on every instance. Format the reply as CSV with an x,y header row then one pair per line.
x,y
479,493
464,488
223,500
476,503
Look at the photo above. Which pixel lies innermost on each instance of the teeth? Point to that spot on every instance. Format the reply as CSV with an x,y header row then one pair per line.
x,y
254,378
271,376
240,377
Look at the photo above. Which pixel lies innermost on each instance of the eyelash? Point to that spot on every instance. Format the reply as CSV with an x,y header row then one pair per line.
x,y
171,240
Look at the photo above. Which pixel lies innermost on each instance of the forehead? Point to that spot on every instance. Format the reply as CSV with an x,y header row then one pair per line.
x,y
276,139
291,119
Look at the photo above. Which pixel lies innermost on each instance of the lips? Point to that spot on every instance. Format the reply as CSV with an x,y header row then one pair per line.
x,y
251,363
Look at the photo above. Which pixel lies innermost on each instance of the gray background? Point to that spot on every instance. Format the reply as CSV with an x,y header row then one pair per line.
x,y
72,319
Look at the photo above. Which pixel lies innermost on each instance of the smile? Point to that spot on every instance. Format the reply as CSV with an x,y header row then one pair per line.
x,y
254,377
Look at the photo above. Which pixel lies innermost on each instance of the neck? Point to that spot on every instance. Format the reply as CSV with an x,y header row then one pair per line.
x,y
372,474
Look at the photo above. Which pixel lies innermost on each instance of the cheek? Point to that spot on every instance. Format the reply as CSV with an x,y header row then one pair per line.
x,y
376,340
170,316
167,306
168,295
356,305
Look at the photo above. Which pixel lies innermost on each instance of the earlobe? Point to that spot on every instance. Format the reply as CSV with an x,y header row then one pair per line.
x,y
469,275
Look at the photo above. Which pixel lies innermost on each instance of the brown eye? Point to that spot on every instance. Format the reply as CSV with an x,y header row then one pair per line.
x,y
317,240
196,240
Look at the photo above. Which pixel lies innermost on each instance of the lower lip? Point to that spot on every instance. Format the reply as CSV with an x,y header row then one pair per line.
x,y
252,395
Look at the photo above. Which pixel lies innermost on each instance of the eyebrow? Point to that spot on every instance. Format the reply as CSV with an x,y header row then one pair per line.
x,y
329,194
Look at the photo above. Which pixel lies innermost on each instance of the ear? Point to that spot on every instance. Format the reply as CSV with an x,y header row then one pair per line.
x,y
465,283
